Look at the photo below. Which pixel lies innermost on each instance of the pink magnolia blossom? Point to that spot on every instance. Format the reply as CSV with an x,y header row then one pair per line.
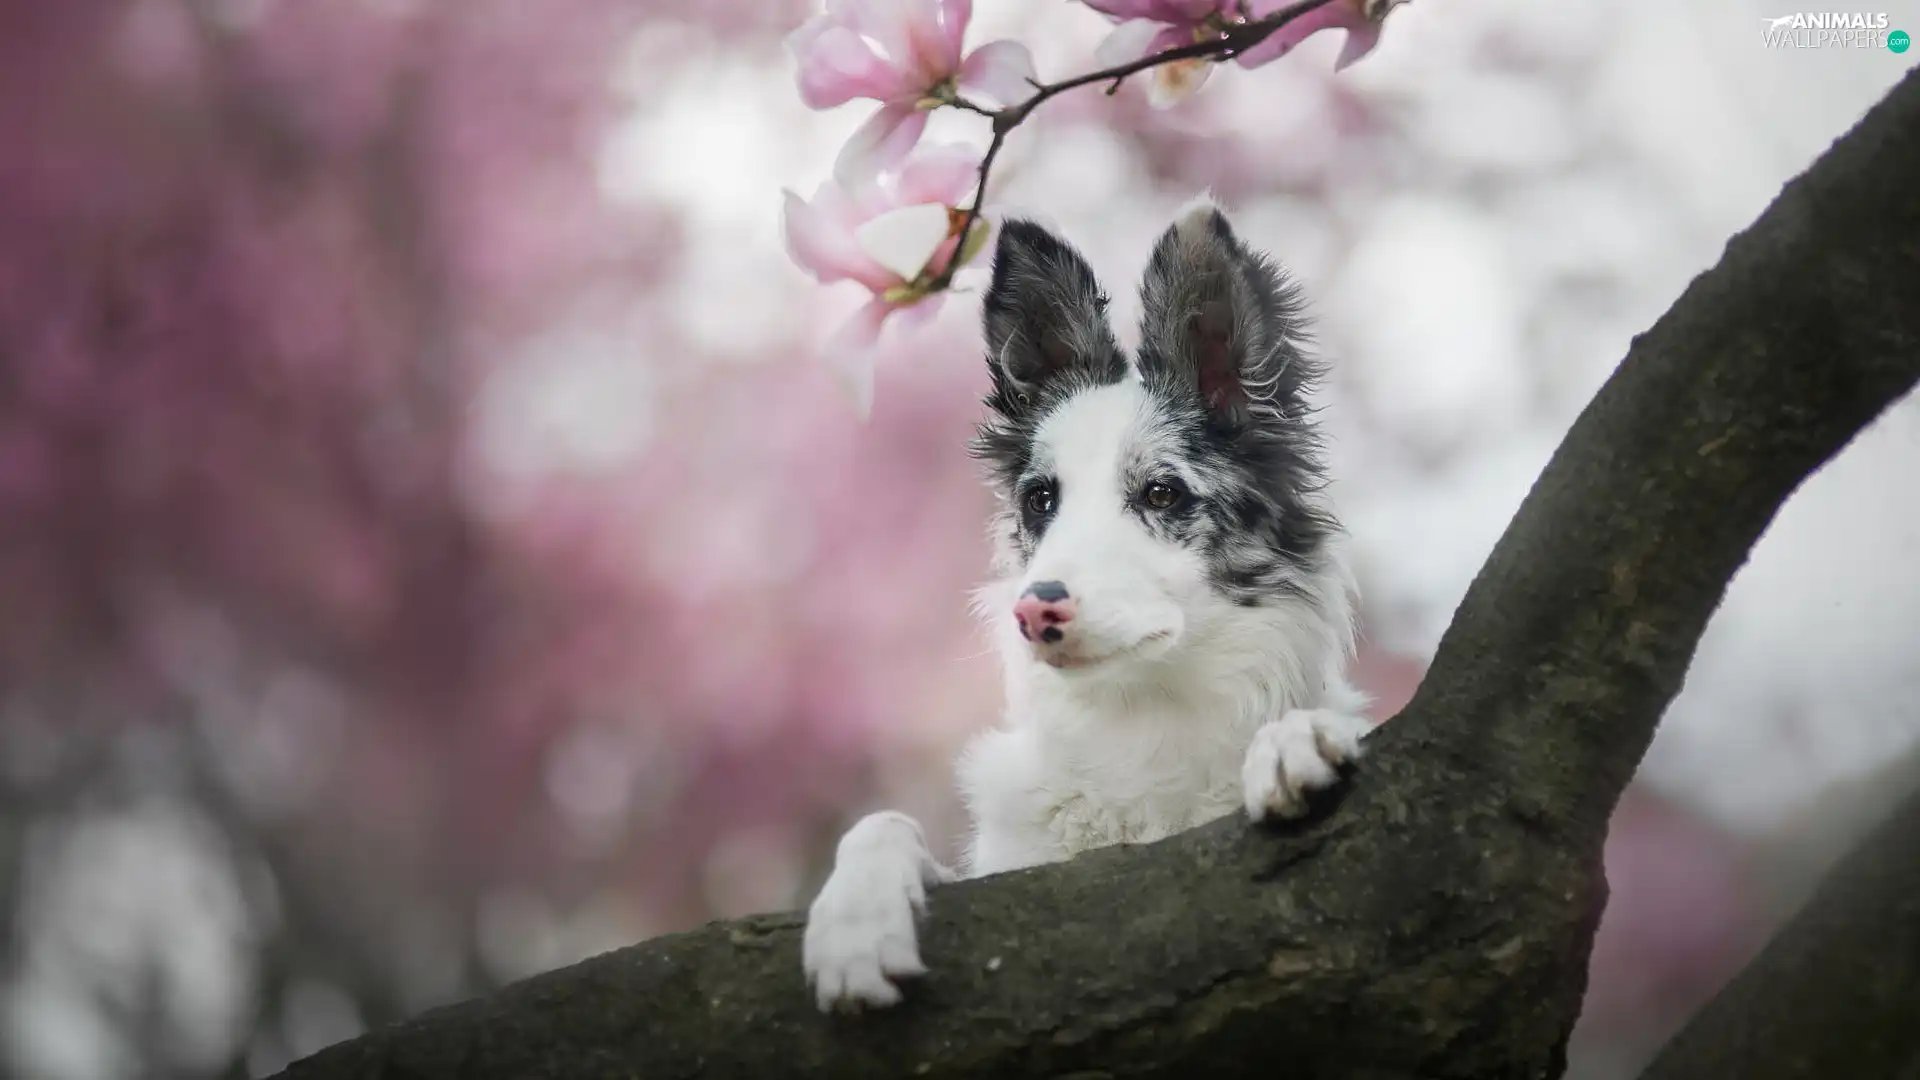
x,y
1152,26
906,55
893,234
1361,19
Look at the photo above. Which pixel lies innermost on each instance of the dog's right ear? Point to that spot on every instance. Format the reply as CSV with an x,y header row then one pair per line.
x,y
1045,319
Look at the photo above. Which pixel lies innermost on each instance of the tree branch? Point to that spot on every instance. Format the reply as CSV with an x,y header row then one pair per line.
x,y
1234,38
1434,917
1836,992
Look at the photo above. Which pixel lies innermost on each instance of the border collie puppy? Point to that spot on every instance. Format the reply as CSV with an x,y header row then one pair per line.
x,y
1170,603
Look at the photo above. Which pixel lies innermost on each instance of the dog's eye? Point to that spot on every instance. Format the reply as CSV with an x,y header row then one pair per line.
x,y
1160,495
1040,501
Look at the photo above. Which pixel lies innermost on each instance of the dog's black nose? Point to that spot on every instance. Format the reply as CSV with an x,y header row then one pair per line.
x,y
1050,591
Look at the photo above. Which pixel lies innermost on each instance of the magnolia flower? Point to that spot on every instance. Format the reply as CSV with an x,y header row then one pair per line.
x,y
1361,19
894,233
904,54
1151,26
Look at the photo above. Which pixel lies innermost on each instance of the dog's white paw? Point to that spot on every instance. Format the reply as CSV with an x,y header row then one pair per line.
x,y
860,930
1299,753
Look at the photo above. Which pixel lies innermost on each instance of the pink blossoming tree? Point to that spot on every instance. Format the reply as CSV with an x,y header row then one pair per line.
x,y
896,226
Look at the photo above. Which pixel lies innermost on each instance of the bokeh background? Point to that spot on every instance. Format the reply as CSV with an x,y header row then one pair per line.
x,y
429,543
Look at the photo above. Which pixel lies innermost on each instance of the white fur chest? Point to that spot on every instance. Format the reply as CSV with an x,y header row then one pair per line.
x,y
1041,792
1085,812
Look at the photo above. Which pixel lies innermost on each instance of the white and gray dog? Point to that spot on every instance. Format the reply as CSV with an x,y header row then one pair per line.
x,y
1170,603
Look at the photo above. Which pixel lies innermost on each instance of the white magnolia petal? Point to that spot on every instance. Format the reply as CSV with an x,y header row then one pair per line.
x,y
884,21
903,240
1128,41
1170,84
849,354
853,374
1002,70
940,173
877,145
1361,40
909,319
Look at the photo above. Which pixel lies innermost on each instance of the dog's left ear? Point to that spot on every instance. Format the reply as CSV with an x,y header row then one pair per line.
x,y
1045,319
1222,320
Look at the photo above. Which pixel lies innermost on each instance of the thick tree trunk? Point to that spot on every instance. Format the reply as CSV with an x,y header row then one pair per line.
x,y
1434,918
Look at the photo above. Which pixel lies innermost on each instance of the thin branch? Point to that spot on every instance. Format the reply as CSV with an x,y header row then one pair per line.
x,y
1234,39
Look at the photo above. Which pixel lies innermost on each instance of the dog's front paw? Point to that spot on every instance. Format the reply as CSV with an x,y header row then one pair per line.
x,y
860,930
1299,753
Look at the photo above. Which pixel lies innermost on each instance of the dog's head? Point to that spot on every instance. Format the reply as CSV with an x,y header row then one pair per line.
x,y
1160,505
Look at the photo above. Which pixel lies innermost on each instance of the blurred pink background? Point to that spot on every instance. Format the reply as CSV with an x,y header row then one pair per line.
x,y
427,534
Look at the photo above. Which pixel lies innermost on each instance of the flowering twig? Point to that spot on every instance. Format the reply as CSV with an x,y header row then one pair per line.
x,y
890,217
1234,39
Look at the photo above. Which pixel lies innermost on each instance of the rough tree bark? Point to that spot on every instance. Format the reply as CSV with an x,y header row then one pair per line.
x,y
1434,917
